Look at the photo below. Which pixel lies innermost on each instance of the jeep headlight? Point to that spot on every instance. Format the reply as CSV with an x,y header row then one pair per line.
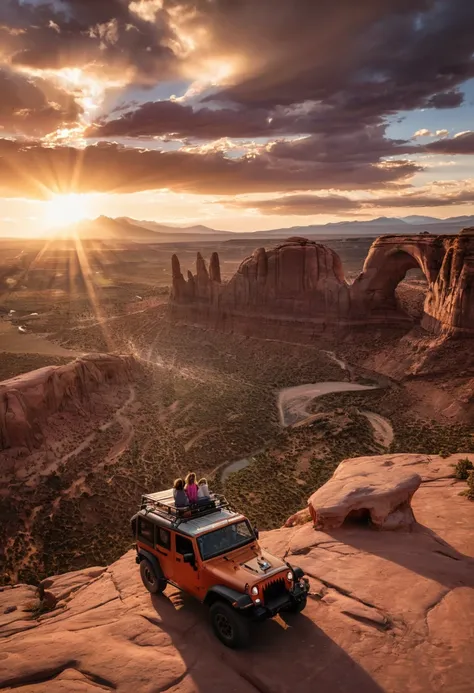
x,y
254,590
289,576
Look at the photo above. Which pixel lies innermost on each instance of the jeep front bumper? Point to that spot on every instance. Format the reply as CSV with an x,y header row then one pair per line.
x,y
260,612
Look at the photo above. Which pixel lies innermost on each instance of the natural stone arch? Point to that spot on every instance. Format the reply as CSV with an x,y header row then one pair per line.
x,y
388,261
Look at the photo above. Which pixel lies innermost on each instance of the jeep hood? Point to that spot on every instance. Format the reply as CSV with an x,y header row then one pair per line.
x,y
246,566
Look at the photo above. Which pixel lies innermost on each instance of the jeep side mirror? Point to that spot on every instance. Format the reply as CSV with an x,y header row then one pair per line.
x,y
255,531
188,558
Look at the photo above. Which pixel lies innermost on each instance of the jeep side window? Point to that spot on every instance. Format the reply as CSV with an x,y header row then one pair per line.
x,y
183,545
145,531
163,538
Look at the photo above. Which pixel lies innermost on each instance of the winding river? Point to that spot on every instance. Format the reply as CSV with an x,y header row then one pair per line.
x,y
293,408
293,402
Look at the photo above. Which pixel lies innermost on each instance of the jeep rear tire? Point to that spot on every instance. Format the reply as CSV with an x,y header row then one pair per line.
x,y
230,627
297,607
152,582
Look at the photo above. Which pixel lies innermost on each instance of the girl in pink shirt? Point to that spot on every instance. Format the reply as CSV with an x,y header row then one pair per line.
x,y
191,488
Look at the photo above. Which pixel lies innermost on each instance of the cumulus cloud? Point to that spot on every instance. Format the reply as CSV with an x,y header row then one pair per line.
x,y
423,133
105,35
34,106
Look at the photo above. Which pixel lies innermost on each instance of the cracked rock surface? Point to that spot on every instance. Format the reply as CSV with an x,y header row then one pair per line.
x,y
388,612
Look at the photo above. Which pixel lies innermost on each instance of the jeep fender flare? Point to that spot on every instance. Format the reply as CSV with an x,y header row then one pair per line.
x,y
297,572
238,600
151,559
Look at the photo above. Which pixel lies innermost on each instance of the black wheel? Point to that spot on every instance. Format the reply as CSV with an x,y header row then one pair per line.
x,y
297,607
152,582
229,626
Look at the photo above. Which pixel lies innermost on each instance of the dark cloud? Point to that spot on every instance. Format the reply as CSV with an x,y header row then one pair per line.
x,y
310,205
462,144
105,35
369,57
33,106
32,169
161,118
363,145
447,99
347,62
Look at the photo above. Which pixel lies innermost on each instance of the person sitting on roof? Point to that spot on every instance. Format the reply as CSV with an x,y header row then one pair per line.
x,y
180,497
203,491
191,488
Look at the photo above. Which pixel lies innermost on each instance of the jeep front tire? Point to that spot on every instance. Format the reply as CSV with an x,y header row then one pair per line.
x,y
152,582
230,627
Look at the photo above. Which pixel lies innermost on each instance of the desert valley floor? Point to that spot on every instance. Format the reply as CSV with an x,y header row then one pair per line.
x,y
267,421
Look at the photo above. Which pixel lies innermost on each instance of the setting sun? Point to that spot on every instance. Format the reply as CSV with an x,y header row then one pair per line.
x,y
63,210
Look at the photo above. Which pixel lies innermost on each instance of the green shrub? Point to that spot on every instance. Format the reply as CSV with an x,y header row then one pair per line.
x,y
470,486
463,468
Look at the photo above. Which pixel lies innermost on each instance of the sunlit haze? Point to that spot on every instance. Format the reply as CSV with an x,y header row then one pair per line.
x,y
64,210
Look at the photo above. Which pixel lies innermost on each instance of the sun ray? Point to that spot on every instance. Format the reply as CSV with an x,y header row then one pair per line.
x,y
86,273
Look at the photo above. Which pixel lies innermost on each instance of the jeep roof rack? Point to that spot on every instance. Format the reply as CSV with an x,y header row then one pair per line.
x,y
162,503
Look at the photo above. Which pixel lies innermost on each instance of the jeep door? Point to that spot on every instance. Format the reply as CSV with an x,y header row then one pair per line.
x,y
164,551
186,575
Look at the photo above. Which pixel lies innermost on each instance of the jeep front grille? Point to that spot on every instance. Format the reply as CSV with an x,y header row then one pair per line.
x,y
274,589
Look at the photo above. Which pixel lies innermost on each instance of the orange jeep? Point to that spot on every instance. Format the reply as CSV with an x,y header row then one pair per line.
x,y
213,553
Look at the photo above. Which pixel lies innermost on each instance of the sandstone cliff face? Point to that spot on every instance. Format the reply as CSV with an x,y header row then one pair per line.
x,y
450,302
27,400
299,286
387,612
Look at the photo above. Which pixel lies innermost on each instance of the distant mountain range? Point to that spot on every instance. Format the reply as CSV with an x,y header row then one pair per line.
x,y
127,229
375,227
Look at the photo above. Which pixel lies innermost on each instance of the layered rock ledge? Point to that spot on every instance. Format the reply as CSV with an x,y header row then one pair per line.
x,y
27,400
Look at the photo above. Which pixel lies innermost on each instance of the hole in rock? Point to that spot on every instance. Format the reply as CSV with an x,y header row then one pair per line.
x,y
358,517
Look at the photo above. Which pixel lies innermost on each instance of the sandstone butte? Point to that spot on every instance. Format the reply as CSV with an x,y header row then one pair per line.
x,y
27,400
300,284
389,612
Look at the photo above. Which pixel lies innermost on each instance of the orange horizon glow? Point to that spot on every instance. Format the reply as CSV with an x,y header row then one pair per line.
x,y
66,210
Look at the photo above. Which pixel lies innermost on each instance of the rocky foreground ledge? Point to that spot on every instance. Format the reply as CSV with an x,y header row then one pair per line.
x,y
389,611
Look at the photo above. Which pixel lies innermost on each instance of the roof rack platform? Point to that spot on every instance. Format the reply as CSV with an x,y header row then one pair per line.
x,y
162,503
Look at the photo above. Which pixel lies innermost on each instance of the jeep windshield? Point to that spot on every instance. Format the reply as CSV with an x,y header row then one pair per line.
x,y
225,539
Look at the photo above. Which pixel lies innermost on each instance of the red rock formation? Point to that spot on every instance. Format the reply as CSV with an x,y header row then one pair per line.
x,y
380,487
296,280
299,287
449,304
30,398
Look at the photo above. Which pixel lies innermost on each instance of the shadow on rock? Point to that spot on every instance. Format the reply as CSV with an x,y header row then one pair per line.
x,y
289,654
421,551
